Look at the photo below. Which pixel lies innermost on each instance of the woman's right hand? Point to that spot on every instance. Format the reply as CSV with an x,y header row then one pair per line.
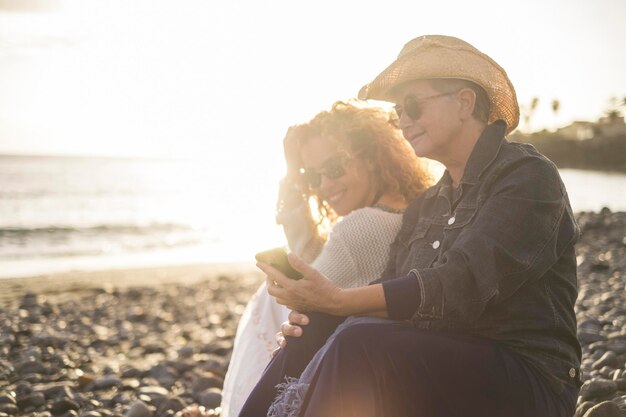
x,y
292,327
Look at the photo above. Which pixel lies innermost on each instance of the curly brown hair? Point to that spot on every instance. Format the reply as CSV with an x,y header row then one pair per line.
x,y
369,134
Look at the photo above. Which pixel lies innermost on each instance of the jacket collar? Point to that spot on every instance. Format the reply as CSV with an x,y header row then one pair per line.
x,y
483,154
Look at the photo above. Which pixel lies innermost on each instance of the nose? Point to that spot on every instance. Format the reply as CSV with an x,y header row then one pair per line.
x,y
325,185
404,122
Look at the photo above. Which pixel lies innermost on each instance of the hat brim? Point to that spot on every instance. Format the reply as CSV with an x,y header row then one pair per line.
x,y
434,60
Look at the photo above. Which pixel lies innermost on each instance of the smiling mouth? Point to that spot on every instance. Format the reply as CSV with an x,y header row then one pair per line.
x,y
332,199
415,137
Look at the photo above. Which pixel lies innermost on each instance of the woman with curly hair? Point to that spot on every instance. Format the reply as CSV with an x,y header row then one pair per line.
x,y
350,174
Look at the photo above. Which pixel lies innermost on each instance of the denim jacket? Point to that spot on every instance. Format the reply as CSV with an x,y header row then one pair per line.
x,y
495,257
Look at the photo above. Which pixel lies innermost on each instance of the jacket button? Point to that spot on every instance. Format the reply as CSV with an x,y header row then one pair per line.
x,y
572,372
436,244
451,221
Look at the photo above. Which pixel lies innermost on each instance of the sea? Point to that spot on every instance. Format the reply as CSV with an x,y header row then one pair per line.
x,y
59,214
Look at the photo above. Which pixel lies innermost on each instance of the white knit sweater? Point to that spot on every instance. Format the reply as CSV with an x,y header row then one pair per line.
x,y
357,249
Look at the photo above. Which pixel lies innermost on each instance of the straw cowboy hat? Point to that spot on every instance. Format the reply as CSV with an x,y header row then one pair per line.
x,y
438,56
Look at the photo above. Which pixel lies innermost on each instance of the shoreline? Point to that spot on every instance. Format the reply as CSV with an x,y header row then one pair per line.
x,y
58,283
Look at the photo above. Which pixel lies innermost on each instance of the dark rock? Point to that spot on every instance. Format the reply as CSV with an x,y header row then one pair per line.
x,y
63,405
7,399
29,300
139,409
70,413
165,375
153,348
583,408
604,409
130,372
621,384
10,409
608,359
170,406
205,382
121,398
185,352
36,399
210,398
597,388
600,265
23,388
106,382
618,346
31,367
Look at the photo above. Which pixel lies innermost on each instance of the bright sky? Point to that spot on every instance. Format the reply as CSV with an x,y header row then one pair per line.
x,y
225,78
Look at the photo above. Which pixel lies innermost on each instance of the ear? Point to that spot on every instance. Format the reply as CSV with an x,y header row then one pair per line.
x,y
467,100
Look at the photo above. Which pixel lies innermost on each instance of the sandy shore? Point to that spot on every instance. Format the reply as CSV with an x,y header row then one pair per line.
x,y
147,342
71,284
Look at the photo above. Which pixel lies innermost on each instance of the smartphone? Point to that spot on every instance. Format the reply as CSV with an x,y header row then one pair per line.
x,y
277,257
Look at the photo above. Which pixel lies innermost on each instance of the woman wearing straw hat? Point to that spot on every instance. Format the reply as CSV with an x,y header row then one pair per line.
x,y
480,288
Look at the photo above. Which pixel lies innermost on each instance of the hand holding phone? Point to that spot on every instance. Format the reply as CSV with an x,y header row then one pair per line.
x,y
277,257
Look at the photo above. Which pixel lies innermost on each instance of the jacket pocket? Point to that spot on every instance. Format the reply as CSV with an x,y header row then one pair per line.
x,y
462,217
420,252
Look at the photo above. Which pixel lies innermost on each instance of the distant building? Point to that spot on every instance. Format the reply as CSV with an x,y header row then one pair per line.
x,y
605,127
578,130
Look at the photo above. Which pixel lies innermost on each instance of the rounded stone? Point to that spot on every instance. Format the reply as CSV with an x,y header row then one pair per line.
x,y
583,408
205,382
608,359
210,398
36,399
63,405
7,399
10,409
597,388
139,409
170,406
604,409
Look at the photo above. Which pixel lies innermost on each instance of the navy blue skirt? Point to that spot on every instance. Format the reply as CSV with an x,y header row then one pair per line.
x,y
393,369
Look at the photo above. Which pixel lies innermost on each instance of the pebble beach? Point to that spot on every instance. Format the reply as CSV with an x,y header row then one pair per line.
x,y
149,342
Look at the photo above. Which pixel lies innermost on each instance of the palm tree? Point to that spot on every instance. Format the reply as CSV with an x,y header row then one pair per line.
x,y
529,111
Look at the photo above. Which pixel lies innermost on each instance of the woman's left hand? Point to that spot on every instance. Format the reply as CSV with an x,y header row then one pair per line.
x,y
314,292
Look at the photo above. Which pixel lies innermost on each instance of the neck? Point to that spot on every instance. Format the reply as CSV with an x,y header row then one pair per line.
x,y
393,200
456,159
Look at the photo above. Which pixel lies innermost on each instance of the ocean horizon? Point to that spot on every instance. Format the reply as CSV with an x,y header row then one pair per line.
x,y
62,213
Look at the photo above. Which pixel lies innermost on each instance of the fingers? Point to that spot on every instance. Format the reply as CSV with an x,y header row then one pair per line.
x,y
274,277
297,318
275,351
290,330
299,264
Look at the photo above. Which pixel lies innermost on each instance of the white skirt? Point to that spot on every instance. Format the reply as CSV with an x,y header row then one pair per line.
x,y
254,343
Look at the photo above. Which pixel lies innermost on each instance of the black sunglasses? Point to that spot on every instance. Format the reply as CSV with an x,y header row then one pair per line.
x,y
332,169
413,105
